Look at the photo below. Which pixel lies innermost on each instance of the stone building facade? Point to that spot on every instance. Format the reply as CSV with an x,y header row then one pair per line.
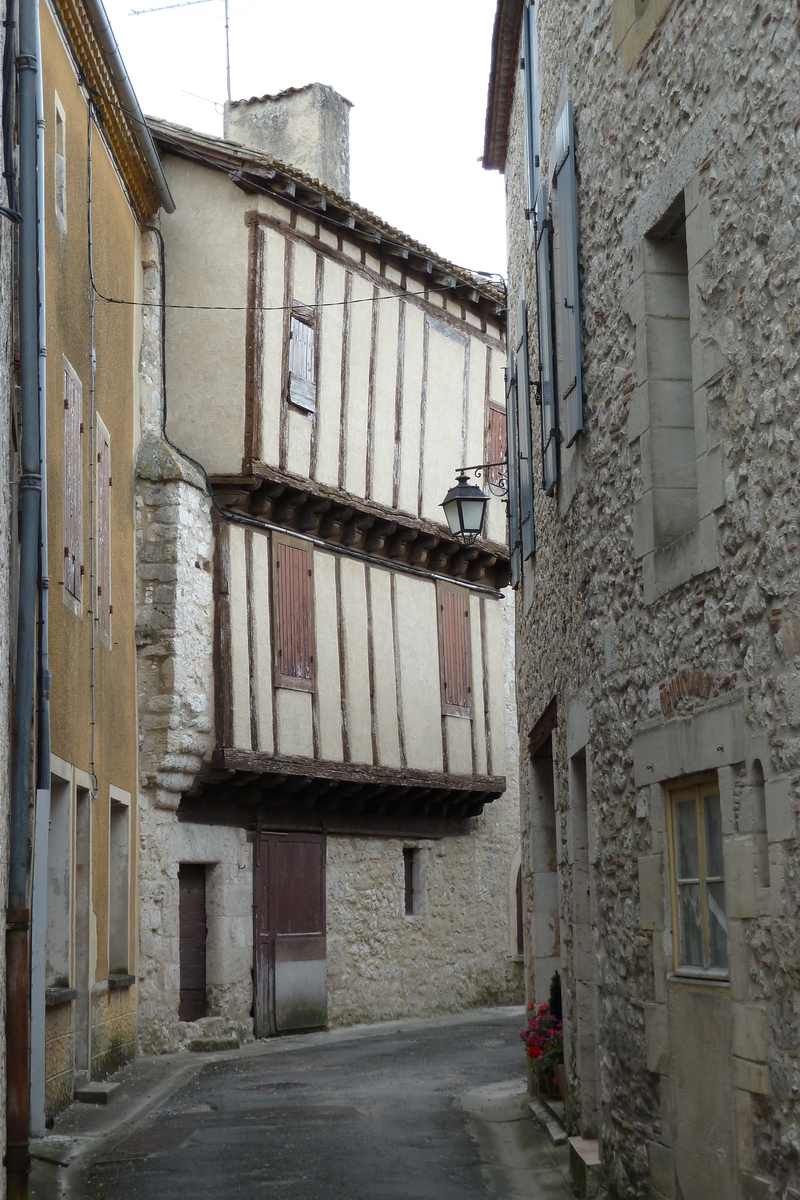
x,y
324,821
650,156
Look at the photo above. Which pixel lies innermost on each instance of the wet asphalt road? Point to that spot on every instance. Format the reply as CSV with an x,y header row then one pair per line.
x,y
365,1119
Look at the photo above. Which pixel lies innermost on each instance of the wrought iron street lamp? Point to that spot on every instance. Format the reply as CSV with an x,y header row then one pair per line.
x,y
464,506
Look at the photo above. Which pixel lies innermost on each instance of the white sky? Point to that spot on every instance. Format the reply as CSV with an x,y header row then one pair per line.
x,y
416,72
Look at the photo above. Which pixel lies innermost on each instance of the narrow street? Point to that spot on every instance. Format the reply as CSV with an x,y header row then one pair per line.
x,y
399,1111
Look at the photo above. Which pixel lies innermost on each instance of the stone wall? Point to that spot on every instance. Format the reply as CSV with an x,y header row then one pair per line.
x,y
700,99
174,645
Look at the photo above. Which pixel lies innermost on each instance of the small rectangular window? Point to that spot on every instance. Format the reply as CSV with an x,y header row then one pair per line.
x,y
408,871
294,616
697,879
73,483
60,173
302,366
104,481
455,651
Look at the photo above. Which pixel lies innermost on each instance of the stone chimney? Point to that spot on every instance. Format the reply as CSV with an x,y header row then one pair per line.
x,y
307,128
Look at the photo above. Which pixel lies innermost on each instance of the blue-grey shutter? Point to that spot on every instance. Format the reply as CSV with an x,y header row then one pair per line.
x,y
570,380
524,435
547,391
513,470
529,52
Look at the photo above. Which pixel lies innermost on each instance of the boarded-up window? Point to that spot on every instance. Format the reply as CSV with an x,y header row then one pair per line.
x,y
73,509
302,370
294,616
103,529
454,651
497,448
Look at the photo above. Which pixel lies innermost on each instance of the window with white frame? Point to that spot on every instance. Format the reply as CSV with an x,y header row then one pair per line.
x,y
697,879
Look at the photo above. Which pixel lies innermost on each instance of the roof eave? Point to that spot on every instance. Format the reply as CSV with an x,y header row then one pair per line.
x,y
505,38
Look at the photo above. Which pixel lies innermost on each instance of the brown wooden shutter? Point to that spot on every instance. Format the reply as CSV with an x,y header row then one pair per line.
x,y
103,530
454,640
72,484
302,376
294,641
497,448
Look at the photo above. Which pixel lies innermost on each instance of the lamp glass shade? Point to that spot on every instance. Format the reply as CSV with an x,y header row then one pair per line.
x,y
464,506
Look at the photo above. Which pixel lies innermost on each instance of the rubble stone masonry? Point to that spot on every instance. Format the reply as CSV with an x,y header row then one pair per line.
x,y
665,660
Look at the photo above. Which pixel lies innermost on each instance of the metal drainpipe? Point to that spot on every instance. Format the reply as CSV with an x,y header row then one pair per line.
x,y
41,834
17,919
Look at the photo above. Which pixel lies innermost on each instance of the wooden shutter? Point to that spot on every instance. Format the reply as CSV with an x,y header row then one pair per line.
x,y
103,529
496,448
73,411
454,649
302,377
571,383
529,51
526,523
294,634
513,470
547,392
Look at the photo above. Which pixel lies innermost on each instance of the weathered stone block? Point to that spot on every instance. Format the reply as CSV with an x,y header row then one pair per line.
x,y
779,803
662,1170
656,1028
651,892
740,879
750,1032
751,1077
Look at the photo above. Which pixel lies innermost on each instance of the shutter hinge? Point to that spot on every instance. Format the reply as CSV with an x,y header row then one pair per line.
x,y
111,610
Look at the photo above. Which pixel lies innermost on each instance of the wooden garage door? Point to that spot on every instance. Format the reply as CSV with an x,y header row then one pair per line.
x,y
290,963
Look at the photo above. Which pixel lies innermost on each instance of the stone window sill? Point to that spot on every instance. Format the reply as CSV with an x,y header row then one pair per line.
x,y
703,979
59,995
120,981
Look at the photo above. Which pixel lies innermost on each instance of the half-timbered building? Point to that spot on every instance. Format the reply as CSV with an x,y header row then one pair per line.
x,y
330,815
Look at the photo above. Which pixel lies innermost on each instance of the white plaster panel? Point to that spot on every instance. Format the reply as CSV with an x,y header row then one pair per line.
x,y
418,641
240,661
329,374
274,267
354,613
475,440
298,454
263,642
458,731
304,275
384,400
385,680
328,687
205,350
442,417
412,394
295,733
478,719
358,387
497,713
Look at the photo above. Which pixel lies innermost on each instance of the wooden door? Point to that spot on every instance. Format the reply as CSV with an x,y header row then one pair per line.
x,y
192,884
291,989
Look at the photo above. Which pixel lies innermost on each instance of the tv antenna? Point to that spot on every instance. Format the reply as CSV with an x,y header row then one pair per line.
x,y
143,12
